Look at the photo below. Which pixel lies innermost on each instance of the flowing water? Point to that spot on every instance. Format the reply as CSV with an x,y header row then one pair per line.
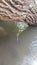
x,y
23,52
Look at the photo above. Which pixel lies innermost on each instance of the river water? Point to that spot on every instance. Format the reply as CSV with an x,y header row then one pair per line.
x,y
21,52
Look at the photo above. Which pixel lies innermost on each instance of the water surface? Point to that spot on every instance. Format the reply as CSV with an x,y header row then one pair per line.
x,y
21,52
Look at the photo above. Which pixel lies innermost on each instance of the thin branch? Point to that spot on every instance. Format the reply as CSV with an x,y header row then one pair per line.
x,y
2,5
19,2
20,8
15,12
11,8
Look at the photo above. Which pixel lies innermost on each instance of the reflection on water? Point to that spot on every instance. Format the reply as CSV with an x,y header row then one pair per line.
x,y
29,61
33,49
31,58
23,52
